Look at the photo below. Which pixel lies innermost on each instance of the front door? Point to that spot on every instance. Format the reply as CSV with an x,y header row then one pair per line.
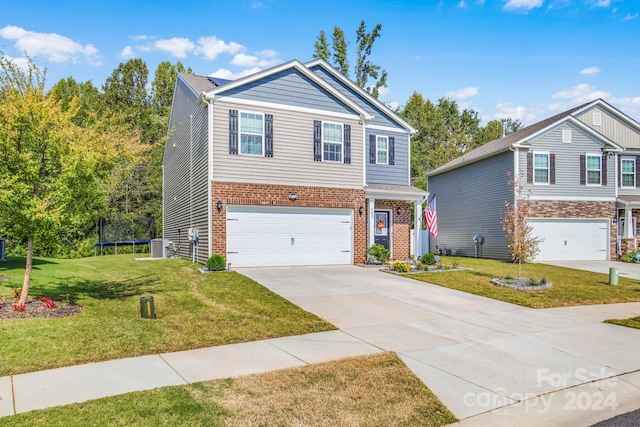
x,y
381,224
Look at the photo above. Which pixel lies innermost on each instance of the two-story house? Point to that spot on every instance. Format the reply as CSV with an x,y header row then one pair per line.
x,y
294,165
579,170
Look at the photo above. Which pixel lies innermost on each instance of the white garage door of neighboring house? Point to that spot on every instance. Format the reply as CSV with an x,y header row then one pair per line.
x,y
566,239
281,236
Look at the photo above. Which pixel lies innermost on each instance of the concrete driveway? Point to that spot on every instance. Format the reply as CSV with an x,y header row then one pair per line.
x,y
491,363
625,269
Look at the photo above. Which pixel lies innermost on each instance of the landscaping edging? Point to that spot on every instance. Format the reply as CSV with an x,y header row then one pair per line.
x,y
520,284
435,270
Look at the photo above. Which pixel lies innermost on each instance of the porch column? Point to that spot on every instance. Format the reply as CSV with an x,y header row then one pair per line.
x,y
628,223
417,226
370,223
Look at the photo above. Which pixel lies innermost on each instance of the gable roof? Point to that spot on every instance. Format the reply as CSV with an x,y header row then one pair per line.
x,y
210,94
198,84
507,142
363,93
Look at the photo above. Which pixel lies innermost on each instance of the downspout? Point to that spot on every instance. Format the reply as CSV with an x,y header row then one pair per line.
x,y
209,176
193,242
516,171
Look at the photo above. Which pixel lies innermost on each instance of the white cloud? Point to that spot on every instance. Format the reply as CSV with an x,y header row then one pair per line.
x,y
462,4
223,73
210,47
244,60
506,110
522,4
630,17
22,63
463,93
177,46
591,71
599,3
140,37
54,47
580,94
383,91
126,52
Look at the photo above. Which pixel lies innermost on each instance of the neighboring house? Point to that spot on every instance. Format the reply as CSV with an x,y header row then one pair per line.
x,y
295,165
580,170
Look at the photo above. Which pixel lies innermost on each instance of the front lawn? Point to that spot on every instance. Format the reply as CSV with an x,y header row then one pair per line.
x,y
570,287
633,322
193,310
374,390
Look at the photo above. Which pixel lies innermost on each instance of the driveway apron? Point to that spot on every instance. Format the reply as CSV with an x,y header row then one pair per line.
x,y
489,362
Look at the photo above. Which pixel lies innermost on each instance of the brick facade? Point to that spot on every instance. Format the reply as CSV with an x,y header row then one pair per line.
x,y
233,193
400,226
578,210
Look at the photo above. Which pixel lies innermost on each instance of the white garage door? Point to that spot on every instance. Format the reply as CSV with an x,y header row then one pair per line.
x,y
271,236
563,240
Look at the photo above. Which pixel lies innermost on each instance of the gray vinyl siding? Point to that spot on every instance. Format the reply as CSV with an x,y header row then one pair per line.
x,y
179,213
567,169
613,128
292,88
292,161
470,201
380,118
396,174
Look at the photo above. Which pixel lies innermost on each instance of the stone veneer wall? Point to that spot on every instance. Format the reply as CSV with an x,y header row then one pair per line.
x,y
400,225
233,193
575,209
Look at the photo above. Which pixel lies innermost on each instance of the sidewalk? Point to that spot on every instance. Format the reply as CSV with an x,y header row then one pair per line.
x,y
62,386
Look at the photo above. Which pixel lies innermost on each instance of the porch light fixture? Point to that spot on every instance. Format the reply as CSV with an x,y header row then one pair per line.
x,y
219,205
293,197
398,210
361,209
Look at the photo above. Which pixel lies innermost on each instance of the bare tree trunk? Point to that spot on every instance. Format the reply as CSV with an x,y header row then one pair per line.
x,y
27,271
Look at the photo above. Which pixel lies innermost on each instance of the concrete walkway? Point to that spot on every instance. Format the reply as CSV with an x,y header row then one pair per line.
x,y
491,363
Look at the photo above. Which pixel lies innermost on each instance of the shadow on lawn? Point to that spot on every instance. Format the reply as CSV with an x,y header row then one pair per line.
x,y
14,263
72,290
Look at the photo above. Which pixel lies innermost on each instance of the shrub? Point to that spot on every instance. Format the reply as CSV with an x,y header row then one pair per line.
x,y
216,263
402,267
48,303
428,259
379,252
630,257
19,308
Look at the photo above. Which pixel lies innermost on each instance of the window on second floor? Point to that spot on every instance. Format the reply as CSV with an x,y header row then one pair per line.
x,y
628,172
541,168
332,142
594,169
251,133
382,150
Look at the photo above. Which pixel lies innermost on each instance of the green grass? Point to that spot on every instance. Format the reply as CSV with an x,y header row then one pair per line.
x,y
193,310
374,390
570,287
633,322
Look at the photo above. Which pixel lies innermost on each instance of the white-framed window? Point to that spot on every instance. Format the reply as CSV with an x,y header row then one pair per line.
x,y
332,142
594,169
382,150
566,135
628,172
251,133
541,168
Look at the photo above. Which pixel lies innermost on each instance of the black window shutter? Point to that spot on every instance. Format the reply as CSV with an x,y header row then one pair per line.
x,y
637,171
552,168
268,135
620,173
529,168
317,140
392,150
372,149
347,144
233,131
583,171
604,169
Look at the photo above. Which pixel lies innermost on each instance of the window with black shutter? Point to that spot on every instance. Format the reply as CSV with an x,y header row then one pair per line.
x,y
392,150
268,135
317,140
233,131
347,144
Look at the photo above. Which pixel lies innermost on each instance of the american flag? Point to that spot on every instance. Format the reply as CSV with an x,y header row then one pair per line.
x,y
431,217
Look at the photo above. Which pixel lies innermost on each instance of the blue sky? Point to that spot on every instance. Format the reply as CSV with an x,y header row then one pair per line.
x,y
524,59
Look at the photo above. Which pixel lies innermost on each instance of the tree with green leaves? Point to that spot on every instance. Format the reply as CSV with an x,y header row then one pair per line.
x,y
50,168
364,69
164,82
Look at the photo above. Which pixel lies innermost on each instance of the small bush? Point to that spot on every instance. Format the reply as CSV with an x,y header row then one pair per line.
x,y
48,303
216,263
428,259
379,252
19,308
401,267
630,257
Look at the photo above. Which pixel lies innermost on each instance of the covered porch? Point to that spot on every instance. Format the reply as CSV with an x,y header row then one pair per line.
x,y
391,212
626,223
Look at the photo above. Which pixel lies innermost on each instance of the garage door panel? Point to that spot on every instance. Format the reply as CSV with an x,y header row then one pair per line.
x,y
571,239
263,236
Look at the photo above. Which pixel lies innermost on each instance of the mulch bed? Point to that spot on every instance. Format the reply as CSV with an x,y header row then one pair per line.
x,y
36,309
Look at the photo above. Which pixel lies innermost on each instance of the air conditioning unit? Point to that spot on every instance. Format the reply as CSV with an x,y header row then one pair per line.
x,y
159,248
2,246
